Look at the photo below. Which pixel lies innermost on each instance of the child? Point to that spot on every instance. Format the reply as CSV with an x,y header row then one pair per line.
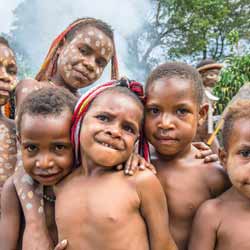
x,y
8,78
44,133
108,210
173,111
223,223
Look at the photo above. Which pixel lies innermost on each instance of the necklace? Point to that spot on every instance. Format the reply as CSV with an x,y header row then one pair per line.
x,y
49,198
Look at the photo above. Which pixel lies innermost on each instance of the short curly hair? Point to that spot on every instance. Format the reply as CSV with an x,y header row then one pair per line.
x,y
48,101
178,70
4,41
239,109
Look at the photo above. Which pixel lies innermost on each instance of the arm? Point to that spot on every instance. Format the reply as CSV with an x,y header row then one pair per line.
x,y
203,234
154,211
10,217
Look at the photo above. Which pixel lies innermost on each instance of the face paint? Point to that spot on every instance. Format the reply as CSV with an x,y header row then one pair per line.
x,y
1,170
30,194
97,43
29,206
103,51
87,40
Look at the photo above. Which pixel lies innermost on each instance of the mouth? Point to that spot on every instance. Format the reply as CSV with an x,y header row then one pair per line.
x,y
166,139
112,146
4,93
47,178
81,75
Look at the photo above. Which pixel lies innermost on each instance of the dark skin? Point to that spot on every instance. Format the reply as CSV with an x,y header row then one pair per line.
x,y
170,124
47,157
222,223
109,204
8,72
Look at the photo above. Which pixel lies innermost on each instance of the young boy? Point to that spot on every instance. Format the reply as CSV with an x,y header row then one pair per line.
x,y
223,223
43,125
8,78
108,210
173,111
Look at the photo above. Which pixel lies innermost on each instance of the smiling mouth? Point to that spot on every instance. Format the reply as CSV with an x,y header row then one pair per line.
x,y
108,145
82,75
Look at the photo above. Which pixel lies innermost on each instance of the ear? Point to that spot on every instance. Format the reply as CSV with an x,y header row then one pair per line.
x,y
202,114
223,157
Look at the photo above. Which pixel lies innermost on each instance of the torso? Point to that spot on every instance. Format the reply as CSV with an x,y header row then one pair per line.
x,y
103,214
186,190
234,223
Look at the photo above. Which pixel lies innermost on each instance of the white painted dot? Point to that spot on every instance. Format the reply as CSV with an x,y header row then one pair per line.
x,y
91,33
103,51
29,206
87,40
97,43
1,170
40,210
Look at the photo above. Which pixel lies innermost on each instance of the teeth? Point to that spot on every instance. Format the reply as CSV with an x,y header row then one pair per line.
x,y
106,145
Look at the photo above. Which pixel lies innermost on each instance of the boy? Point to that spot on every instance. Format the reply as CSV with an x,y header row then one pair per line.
x,y
44,134
108,210
8,78
173,111
223,223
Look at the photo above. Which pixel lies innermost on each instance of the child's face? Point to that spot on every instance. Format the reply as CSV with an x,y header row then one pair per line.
x,y
46,148
171,115
110,129
82,61
237,157
8,72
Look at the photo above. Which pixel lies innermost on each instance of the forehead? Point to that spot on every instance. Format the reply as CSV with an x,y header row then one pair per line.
x,y
173,89
42,126
240,133
6,52
117,102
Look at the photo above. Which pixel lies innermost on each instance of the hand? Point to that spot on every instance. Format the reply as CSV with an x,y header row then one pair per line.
x,y
61,245
135,162
205,152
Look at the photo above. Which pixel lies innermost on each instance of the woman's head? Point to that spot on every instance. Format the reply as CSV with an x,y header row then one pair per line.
x,y
8,71
79,55
106,124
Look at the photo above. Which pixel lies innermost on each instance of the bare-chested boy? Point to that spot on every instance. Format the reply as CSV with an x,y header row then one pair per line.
x,y
173,111
8,78
223,223
96,206
43,125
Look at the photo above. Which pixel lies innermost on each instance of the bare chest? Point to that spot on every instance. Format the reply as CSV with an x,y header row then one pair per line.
x,y
233,232
185,190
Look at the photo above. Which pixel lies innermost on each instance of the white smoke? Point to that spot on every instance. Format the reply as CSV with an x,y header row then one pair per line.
x,y
43,20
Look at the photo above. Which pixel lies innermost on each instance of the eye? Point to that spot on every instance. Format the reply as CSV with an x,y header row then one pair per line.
x,y
245,153
153,111
129,129
101,63
103,118
12,71
182,111
85,50
31,148
59,147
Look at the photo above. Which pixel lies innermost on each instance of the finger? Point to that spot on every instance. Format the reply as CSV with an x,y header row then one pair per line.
x,y
142,164
204,153
128,165
201,145
61,245
150,167
134,164
211,158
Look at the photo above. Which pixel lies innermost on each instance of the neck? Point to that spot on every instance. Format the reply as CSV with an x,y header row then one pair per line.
x,y
58,81
178,156
239,196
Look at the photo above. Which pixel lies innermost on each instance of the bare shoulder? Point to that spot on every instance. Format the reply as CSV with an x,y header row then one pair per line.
x,y
216,178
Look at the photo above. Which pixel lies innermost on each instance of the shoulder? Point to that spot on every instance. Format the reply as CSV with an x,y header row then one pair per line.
x,y
9,194
146,181
216,178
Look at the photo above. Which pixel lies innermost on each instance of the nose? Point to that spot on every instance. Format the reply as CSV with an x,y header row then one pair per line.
x,y
90,63
44,161
4,76
114,131
167,122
